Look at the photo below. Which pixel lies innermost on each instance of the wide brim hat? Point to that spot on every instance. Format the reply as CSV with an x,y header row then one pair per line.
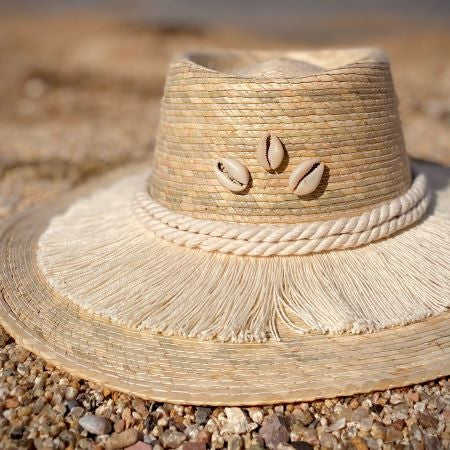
x,y
279,248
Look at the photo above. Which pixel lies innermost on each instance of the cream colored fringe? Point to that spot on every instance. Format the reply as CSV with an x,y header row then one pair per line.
x,y
101,258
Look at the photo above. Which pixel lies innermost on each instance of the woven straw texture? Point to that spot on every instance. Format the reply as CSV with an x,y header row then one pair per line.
x,y
214,106
189,371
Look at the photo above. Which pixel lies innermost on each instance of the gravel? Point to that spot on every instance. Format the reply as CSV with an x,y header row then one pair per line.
x,y
39,409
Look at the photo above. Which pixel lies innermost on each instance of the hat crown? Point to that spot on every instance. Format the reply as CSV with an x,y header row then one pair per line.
x,y
338,106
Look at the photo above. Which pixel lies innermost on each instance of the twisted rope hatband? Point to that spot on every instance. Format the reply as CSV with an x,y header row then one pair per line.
x,y
270,240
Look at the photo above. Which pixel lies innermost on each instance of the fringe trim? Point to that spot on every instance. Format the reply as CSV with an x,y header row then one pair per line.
x,y
101,258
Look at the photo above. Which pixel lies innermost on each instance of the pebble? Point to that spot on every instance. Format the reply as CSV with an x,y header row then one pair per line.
x,y
302,446
427,421
378,431
140,446
396,398
359,414
172,439
77,411
17,432
327,440
359,443
256,414
202,414
236,423
194,446
338,425
392,435
123,439
234,442
96,424
217,440
274,431
71,393
204,436
11,403
305,417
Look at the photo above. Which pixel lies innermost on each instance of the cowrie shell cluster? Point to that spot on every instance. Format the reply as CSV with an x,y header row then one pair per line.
x,y
270,151
306,176
232,174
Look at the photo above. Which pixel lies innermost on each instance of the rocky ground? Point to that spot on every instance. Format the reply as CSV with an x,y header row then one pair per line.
x,y
44,408
79,97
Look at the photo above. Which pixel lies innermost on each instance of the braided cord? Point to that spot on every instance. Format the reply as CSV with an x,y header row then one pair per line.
x,y
271,240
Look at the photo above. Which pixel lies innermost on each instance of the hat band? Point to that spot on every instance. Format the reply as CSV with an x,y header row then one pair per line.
x,y
271,240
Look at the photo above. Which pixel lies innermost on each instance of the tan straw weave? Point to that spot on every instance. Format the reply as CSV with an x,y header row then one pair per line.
x,y
346,115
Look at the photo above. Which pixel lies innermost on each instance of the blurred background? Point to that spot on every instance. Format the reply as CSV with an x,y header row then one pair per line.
x,y
80,81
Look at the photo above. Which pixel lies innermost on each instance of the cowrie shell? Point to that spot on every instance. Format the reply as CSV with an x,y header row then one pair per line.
x,y
232,174
270,151
306,176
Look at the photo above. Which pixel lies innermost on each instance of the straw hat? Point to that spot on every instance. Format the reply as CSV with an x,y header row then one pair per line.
x,y
279,249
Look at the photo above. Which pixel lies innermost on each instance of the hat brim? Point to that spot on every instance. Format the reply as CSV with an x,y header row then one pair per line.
x,y
180,370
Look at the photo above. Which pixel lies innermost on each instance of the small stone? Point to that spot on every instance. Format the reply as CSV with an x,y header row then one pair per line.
x,y
234,442
432,442
427,421
68,437
305,417
392,435
84,444
377,408
285,447
396,398
301,445
366,423
398,424
256,414
71,393
237,421
24,411
139,406
413,396
16,432
204,437
338,425
11,403
77,412
123,439
139,446
39,405
96,424
4,337
217,441
274,431
194,446
359,414
202,415
71,404
378,430
415,432
327,440
172,439
354,403
119,426
420,407
359,443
